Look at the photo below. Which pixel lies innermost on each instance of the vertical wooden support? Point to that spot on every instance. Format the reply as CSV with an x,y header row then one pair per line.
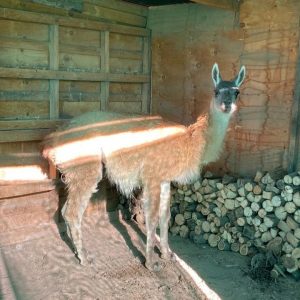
x,y
104,86
53,83
146,104
53,65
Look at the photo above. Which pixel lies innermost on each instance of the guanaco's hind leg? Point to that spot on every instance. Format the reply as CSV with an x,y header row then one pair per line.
x,y
81,180
164,217
151,210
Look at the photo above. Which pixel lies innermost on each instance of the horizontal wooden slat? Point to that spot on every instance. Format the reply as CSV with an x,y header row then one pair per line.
x,y
113,15
23,135
30,124
24,109
26,16
121,6
72,109
64,75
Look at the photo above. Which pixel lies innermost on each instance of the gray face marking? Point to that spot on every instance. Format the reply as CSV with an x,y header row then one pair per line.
x,y
226,92
225,97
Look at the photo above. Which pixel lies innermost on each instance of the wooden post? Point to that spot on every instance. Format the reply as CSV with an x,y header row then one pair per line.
x,y
146,96
104,85
53,83
53,65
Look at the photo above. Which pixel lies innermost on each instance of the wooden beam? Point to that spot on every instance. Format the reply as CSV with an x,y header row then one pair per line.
x,y
30,124
146,71
224,4
32,17
53,65
104,91
66,75
25,135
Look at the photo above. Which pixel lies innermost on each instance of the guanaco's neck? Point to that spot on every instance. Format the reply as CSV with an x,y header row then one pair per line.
x,y
217,127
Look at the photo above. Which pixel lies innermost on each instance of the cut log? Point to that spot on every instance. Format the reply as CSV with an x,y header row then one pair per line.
x,y
255,206
235,247
288,261
245,250
213,240
262,213
248,211
257,190
296,253
290,207
249,187
283,226
267,205
223,245
276,201
184,231
287,248
296,199
229,204
267,179
241,221
288,179
292,223
297,233
266,237
206,226
291,239
256,221
297,216
199,239
280,213
275,246
296,180
179,219
280,184
258,176
175,230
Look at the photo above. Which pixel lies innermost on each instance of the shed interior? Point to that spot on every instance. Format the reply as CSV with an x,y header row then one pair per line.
x,y
59,59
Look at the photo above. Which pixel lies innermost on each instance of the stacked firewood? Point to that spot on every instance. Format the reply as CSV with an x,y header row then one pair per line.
x,y
245,216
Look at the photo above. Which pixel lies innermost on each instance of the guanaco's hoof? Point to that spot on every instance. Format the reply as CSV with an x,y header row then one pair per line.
x,y
154,267
169,256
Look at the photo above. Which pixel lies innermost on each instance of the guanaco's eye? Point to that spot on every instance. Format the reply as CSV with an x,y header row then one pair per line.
x,y
217,93
237,92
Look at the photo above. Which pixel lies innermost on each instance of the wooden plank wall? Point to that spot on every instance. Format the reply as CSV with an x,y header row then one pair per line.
x,y
188,39
53,66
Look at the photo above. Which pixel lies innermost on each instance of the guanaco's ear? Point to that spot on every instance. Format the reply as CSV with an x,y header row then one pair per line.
x,y
215,74
240,77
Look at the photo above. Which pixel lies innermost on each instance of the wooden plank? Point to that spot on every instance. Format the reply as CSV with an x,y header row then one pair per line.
x,y
146,105
113,15
72,109
17,30
136,55
78,37
11,190
125,42
79,62
125,88
53,65
17,43
12,14
125,98
127,107
121,6
24,110
224,4
63,75
23,85
30,124
105,57
23,135
23,58
125,66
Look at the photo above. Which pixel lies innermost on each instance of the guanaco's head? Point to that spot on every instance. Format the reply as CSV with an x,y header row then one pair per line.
x,y
226,92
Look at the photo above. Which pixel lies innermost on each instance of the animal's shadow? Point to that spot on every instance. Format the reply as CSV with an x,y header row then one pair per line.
x,y
112,213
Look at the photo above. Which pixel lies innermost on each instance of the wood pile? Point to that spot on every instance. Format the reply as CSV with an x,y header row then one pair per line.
x,y
248,216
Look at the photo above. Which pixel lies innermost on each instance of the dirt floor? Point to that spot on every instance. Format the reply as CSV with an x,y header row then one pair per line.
x,y
43,267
